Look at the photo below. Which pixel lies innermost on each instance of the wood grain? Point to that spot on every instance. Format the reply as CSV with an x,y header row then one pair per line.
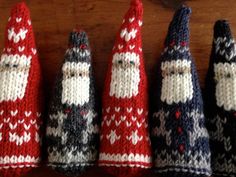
x,y
54,19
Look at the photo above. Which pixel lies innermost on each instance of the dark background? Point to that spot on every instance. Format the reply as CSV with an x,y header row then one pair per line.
x,y
53,20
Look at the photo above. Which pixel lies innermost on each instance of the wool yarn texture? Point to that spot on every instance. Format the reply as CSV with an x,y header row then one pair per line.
x,y
220,99
179,137
72,128
20,97
124,142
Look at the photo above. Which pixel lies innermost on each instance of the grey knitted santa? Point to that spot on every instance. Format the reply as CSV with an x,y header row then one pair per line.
x,y
72,128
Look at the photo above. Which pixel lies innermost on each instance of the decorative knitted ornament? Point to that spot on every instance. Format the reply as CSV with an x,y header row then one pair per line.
x,y
20,96
221,101
72,128
124,141
180,139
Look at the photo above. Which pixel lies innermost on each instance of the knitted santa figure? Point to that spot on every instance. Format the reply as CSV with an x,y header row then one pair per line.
x,y
72,128
180,139
124,141
20,96
220,100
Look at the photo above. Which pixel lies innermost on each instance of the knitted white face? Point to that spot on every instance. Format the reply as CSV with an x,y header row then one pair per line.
x,y
14,71
177,83
225,85
125,76
75,84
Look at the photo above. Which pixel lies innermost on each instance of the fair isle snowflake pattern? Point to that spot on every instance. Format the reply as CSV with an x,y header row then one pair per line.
x,y
220,99
73,128
20,97
179,137
124,141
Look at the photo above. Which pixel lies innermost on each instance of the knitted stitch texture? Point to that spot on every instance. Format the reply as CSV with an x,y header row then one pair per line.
x,y
179,137
124,141
220,98
20,96
72,128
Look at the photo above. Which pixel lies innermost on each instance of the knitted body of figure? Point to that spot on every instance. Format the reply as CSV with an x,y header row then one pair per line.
x,y
124,142
180,139
20,97
220,99
72,128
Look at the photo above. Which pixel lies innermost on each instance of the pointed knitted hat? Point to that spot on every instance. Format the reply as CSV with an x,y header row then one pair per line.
x,y
125,143
20,96
220,97
72,128
179,137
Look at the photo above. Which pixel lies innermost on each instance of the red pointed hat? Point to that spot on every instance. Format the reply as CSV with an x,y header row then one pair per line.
x,y
125,145
20,96
127,52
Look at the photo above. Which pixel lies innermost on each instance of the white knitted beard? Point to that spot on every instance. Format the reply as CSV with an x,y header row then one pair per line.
x,y
175,87
225,86
125,78
14,77
75,90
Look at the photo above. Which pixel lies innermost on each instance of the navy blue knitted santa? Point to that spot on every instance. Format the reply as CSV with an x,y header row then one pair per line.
x,y
179,137
220,98
72,129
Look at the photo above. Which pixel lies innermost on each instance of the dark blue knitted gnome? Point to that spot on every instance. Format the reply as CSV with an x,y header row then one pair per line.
x,y
180,139
220,100
72,129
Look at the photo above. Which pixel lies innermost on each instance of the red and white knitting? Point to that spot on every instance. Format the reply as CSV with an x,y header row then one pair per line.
x,y
124,141
20,96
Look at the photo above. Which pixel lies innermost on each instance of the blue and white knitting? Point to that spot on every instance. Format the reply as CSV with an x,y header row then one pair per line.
x,y
179,137
220,98
72,128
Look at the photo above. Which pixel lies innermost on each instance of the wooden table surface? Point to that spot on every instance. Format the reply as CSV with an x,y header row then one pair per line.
x,y
53,20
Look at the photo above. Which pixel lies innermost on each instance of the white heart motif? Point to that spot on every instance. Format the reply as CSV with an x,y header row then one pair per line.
x,y
18,20
21,121
129,109
13,113
132,47
33,121
140,111
131,20
21,48
33,50
134,118
140,23
6,120
117,109
120,46
12,127
27,114
123,118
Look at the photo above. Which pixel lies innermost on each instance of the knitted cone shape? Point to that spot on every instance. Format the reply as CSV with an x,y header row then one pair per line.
x,y
180,139
72,128
20,96
124,141
221,101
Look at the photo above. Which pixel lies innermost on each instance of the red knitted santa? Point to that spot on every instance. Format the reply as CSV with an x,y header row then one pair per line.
x,y
20,96
125,144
